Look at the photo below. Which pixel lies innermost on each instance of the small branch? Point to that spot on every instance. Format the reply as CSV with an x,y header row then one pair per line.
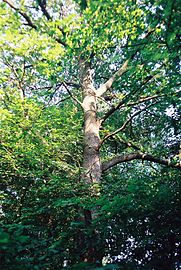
x,y
73,84
140,156
24,15
125,99
29,21
58,86
17,78
74,98
61,41
107,85
42,5
62,100
125,123
128,143
24,71
141,100
54,92
114,108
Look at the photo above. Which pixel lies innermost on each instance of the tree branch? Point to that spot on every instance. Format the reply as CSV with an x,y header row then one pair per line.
x,y
143,99
42,5
74,98
24,15
140,156
129,143
126,123
107,85
29,21
125,99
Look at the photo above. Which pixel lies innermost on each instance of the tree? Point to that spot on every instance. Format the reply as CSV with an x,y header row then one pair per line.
x,y
106,68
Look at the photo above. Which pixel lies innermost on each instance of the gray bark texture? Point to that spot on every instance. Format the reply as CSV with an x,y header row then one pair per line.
x,y
91,158
91,172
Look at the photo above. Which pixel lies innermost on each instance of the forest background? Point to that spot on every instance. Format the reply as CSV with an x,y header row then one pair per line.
x,y
90,134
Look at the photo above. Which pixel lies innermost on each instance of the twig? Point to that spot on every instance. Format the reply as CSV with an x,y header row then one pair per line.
x,y
125,123
42,5
24,15
73,97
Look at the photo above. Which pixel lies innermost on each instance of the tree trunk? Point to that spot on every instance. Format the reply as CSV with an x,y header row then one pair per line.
x,y
91,158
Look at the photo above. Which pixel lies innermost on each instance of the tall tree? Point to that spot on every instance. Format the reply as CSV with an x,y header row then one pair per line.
x,y
112,66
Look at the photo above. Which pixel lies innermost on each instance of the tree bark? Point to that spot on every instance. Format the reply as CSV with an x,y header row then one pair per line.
x,y
139,156
91,157
91,171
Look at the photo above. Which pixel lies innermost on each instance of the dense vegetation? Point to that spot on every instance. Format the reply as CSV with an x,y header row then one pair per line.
x,y
90,135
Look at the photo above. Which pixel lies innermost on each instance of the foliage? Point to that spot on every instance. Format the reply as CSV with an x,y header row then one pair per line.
x,y
136,207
